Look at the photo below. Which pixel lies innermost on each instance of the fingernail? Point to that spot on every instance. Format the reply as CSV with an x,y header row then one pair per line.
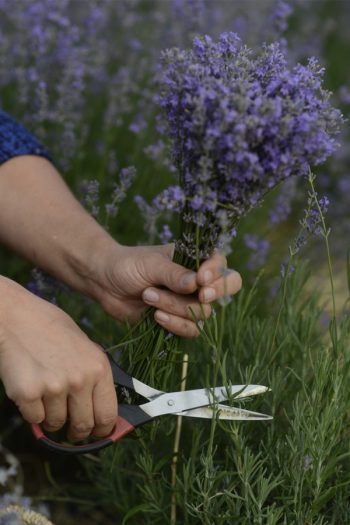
x,y
161,316
208,276
188,278
151,296
209,293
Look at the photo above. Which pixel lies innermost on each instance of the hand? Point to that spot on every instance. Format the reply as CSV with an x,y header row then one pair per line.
x,y
78,251
51,369
132,277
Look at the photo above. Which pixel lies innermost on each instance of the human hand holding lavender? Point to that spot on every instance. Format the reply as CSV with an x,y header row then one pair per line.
x,y
134,276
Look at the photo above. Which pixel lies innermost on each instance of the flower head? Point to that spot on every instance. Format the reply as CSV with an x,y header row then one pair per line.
x,y
240,122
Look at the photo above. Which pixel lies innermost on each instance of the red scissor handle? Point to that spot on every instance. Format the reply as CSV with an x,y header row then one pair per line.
x,y
120,430
130,417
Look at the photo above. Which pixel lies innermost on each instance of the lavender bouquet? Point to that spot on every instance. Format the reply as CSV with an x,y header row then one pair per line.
x,y
240,123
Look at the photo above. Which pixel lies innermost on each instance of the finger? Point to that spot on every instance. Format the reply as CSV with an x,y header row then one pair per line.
x,y
176,325
33,412
211,269
55,412
162,271
131,310
230,284
105,406
180,305
81,413
167,249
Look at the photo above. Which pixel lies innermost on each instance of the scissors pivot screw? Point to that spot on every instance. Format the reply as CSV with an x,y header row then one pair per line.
x,y
171,402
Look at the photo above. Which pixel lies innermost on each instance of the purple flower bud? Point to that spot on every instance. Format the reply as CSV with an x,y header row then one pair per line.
x,y
166,234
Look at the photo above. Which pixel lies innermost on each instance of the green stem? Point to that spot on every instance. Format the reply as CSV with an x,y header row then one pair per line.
x,y
284,293
329,259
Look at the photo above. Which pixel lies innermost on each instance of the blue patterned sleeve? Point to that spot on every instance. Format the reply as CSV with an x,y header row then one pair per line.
x,y
16,140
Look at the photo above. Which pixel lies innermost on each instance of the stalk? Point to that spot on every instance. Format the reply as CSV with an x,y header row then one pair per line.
x,y
156,354
325,233
177,445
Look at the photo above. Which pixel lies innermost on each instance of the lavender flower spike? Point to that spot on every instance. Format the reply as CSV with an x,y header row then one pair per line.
x,y
240,122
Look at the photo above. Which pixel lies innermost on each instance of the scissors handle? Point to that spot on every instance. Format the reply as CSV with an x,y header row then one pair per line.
x,y
120,377
130,417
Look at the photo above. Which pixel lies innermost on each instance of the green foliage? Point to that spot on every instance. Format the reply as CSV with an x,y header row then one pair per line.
x,y
292,470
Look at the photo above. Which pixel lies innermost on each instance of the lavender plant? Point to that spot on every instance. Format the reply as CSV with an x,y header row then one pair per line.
x,y
240,122
296,469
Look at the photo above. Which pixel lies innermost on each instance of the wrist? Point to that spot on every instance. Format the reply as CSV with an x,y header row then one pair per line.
x,y
8,294
88,264
42,220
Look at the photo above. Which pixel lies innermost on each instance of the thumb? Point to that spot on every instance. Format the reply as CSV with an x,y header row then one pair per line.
x,y
164,272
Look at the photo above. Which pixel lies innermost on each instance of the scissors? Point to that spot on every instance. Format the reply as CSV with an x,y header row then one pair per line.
x,y
201,403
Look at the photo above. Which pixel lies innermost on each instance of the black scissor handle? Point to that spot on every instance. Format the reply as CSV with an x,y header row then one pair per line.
x,y
120,377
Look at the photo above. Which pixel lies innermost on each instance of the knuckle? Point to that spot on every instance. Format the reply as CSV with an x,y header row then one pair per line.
x,y
77,382
105,420
169,303
83,427
55,388
34,418
22,395
190,330
100,367
199,311
207,310
55,423
193,334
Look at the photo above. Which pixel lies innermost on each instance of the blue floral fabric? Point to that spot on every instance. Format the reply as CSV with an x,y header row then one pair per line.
x,y
16,140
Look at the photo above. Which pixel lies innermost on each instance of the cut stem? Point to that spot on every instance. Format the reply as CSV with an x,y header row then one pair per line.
x,y
177,445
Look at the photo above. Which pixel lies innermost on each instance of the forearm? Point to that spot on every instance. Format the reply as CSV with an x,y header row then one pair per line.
x,y
41,220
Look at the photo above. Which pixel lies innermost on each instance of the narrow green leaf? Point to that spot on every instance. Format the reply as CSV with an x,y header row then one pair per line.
x,y
135,510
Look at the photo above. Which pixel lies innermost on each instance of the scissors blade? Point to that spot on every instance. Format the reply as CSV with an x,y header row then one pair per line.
x,y
173,402
225,412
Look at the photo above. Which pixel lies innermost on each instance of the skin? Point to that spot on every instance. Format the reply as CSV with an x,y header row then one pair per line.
x,y
49,367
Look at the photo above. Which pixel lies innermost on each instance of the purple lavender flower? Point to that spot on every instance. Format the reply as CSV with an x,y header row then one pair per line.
x,y
312,222
45,286
282,206
240,122
344,94
314,214
259,250
166,234
283,269
90,190
126,178
173,198
280,16
11,518
150,215
138,124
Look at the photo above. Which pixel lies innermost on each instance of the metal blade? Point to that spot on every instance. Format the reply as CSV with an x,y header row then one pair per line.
x,y
225,412
173,402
